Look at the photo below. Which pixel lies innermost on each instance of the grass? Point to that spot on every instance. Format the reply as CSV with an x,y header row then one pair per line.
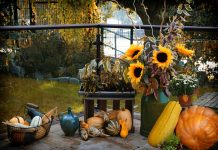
x,y
15,92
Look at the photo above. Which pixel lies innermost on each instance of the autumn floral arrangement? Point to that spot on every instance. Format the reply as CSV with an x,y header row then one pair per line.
x,y
153,63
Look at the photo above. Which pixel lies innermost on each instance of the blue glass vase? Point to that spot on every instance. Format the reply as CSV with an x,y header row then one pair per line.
x,y
69,122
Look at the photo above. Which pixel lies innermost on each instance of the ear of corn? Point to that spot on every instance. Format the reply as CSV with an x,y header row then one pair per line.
x,y
165,124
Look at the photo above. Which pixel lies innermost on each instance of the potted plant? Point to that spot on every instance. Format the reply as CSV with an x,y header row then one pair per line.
x,y
183,86
108,75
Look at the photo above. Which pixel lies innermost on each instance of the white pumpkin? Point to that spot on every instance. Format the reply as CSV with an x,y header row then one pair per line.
x,y
36,121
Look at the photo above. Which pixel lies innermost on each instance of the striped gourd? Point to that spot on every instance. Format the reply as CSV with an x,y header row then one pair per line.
x,y
165,124
113,128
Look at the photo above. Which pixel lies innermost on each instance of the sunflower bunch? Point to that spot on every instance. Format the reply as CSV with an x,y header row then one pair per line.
x,y
152,64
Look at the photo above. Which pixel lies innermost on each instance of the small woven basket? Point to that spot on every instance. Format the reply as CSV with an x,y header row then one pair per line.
x,y
20,135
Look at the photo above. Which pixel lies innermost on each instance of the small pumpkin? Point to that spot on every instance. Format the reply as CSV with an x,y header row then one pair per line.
x,y
26,123
124,130
36,121
124,114
96,122
197,128
113,128
16,119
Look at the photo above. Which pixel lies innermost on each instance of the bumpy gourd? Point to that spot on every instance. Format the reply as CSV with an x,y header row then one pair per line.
x,y
124,114
197,128
165,124
124,130
113,128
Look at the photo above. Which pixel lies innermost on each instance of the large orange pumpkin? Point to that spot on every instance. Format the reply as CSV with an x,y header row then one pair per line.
x,y
197,128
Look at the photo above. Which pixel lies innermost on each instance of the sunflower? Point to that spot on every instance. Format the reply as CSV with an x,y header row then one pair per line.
x,y
135,72
134,52
162,58
182,50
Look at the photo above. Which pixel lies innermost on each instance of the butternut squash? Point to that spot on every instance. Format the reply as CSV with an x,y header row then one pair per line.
x,y
165,124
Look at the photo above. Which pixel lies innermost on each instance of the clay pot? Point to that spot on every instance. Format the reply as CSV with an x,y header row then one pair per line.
x,y
185,100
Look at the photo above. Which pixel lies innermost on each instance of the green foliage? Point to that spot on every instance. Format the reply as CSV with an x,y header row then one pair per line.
x,y
46,54
111,76
171,143
4,20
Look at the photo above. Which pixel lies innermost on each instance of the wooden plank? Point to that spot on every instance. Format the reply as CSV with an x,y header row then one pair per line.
x,y
108,98
213,102
129,105
203,100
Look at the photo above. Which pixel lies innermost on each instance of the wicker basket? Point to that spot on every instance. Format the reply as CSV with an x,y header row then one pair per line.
x,y
20,135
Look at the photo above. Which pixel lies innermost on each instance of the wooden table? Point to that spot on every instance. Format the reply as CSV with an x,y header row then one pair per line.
x,y
102,97
209,100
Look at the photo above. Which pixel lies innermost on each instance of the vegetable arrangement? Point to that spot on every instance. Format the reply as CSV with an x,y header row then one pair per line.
x,y
196,127
116,122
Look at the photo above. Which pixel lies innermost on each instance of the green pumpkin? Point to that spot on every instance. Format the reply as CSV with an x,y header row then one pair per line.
x,y
113,128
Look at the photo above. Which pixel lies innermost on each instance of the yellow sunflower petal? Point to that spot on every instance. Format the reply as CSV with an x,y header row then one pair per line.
x,y
162,58
183,51
134,52
135,72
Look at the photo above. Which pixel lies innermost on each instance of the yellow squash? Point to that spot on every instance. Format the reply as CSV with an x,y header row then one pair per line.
x,y
124,130
165,124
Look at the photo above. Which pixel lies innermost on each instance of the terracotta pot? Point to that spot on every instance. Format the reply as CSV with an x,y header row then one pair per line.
x,y
185,100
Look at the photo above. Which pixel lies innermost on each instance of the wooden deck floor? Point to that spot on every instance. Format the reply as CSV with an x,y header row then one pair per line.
x,y
209,100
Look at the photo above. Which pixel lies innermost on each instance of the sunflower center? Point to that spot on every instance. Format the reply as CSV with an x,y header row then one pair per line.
x,y
162,57
137,72
135,53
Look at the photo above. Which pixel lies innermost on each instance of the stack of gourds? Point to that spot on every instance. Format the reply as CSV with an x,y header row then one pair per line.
x,y
113,123
196,126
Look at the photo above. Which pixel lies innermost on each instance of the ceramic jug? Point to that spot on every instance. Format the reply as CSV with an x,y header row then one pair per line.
x,y
69,122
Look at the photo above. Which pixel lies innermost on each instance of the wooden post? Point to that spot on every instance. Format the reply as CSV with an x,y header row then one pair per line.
x,y
129,104
88,109
116,104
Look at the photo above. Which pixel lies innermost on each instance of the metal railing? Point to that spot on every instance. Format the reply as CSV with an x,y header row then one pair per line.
x,y
101,28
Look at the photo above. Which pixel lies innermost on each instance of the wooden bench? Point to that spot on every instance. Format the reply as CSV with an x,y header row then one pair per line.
x,y
102,97
209,100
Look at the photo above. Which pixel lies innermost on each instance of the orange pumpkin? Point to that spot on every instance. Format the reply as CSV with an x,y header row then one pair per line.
x,y
197,128
16,119
124,114
26,123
